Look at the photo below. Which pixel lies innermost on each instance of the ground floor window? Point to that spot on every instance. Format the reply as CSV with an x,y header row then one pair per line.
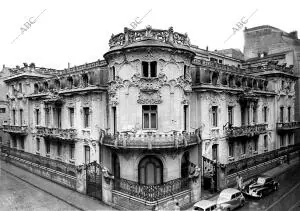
x,y
150,171
59,148
243,150
14,141
266,141
22,144
185,165
72,151
255,145
281,141
290,139
231,150
47,142
87,154
37,144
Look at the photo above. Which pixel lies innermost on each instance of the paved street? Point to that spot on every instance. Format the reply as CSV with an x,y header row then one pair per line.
x,y
16,194
287,181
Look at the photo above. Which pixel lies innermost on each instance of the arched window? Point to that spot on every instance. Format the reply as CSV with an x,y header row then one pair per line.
x,y
36,88
150,171
185,165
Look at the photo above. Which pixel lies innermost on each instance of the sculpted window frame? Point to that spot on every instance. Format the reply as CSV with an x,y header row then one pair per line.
x,y
149,69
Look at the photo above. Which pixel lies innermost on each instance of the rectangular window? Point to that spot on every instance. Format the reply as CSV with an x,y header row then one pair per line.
x,y
37,116
71,117
255,145
149,116
231,150
114,111
72,151
281,140
266,141
2,110
289,114
38,144
59,148
290,136
14,117
47,142
230,115
87,154
185,116
22,143
243,150
197,77
149,69
220,61
86,117
58,110
21,117
265,110
281,114
113,73
15,142
184,72
254,115
153,67
47,117
215,116
20,88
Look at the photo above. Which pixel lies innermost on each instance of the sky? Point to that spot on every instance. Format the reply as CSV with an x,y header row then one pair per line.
x,y
56,32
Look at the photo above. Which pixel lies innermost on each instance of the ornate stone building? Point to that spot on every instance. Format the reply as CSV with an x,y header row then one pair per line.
x,y
154,121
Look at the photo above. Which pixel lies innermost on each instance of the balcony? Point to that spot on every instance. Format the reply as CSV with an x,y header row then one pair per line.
x,y
246,130
285,126
57,133
20,130
150,140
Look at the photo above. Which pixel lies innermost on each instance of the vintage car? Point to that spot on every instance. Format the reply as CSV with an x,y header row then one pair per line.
x,y
260,186
205,205
230,198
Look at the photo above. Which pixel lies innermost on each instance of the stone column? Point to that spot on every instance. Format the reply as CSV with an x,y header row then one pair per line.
x,y
195,185
107,187
81,180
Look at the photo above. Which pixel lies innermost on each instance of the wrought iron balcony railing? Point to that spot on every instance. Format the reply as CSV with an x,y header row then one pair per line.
x,y
150,140
282,126
58,133
246,130
151,192
56,165
21,130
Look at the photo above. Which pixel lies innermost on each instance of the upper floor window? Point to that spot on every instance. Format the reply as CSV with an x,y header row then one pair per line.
x,y
254,114
59,148
265,113
220,61
215,116
37,116
85,80
281,114
185,72
14,117
47,117
70,82
22,143
230,115
57,84
231,150
47,142
266,141
255,145
113,73
71,117
38,144
289,114
86,117
149,116
149,69
72,151
20,87
243,150
21,117
36,88
46,86
282,84
281,140
2,110
87,154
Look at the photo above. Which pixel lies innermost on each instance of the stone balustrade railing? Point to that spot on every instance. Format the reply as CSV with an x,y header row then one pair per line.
x,y
150,140
15,129
246,130
64,134
165,36
287,125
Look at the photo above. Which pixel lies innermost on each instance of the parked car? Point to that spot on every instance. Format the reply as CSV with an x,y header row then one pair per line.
x,y
205,205
230,198
261,186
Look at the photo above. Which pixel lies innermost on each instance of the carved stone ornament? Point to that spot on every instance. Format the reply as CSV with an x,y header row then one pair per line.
x,y
149,98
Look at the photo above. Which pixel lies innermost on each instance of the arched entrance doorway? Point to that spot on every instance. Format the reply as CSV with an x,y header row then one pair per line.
x,y
150,171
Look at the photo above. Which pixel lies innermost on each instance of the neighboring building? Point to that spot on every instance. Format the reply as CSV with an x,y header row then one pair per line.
x,y
154,121
266,43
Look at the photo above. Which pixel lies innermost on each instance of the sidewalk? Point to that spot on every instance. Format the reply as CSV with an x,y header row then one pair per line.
x,y
77,200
